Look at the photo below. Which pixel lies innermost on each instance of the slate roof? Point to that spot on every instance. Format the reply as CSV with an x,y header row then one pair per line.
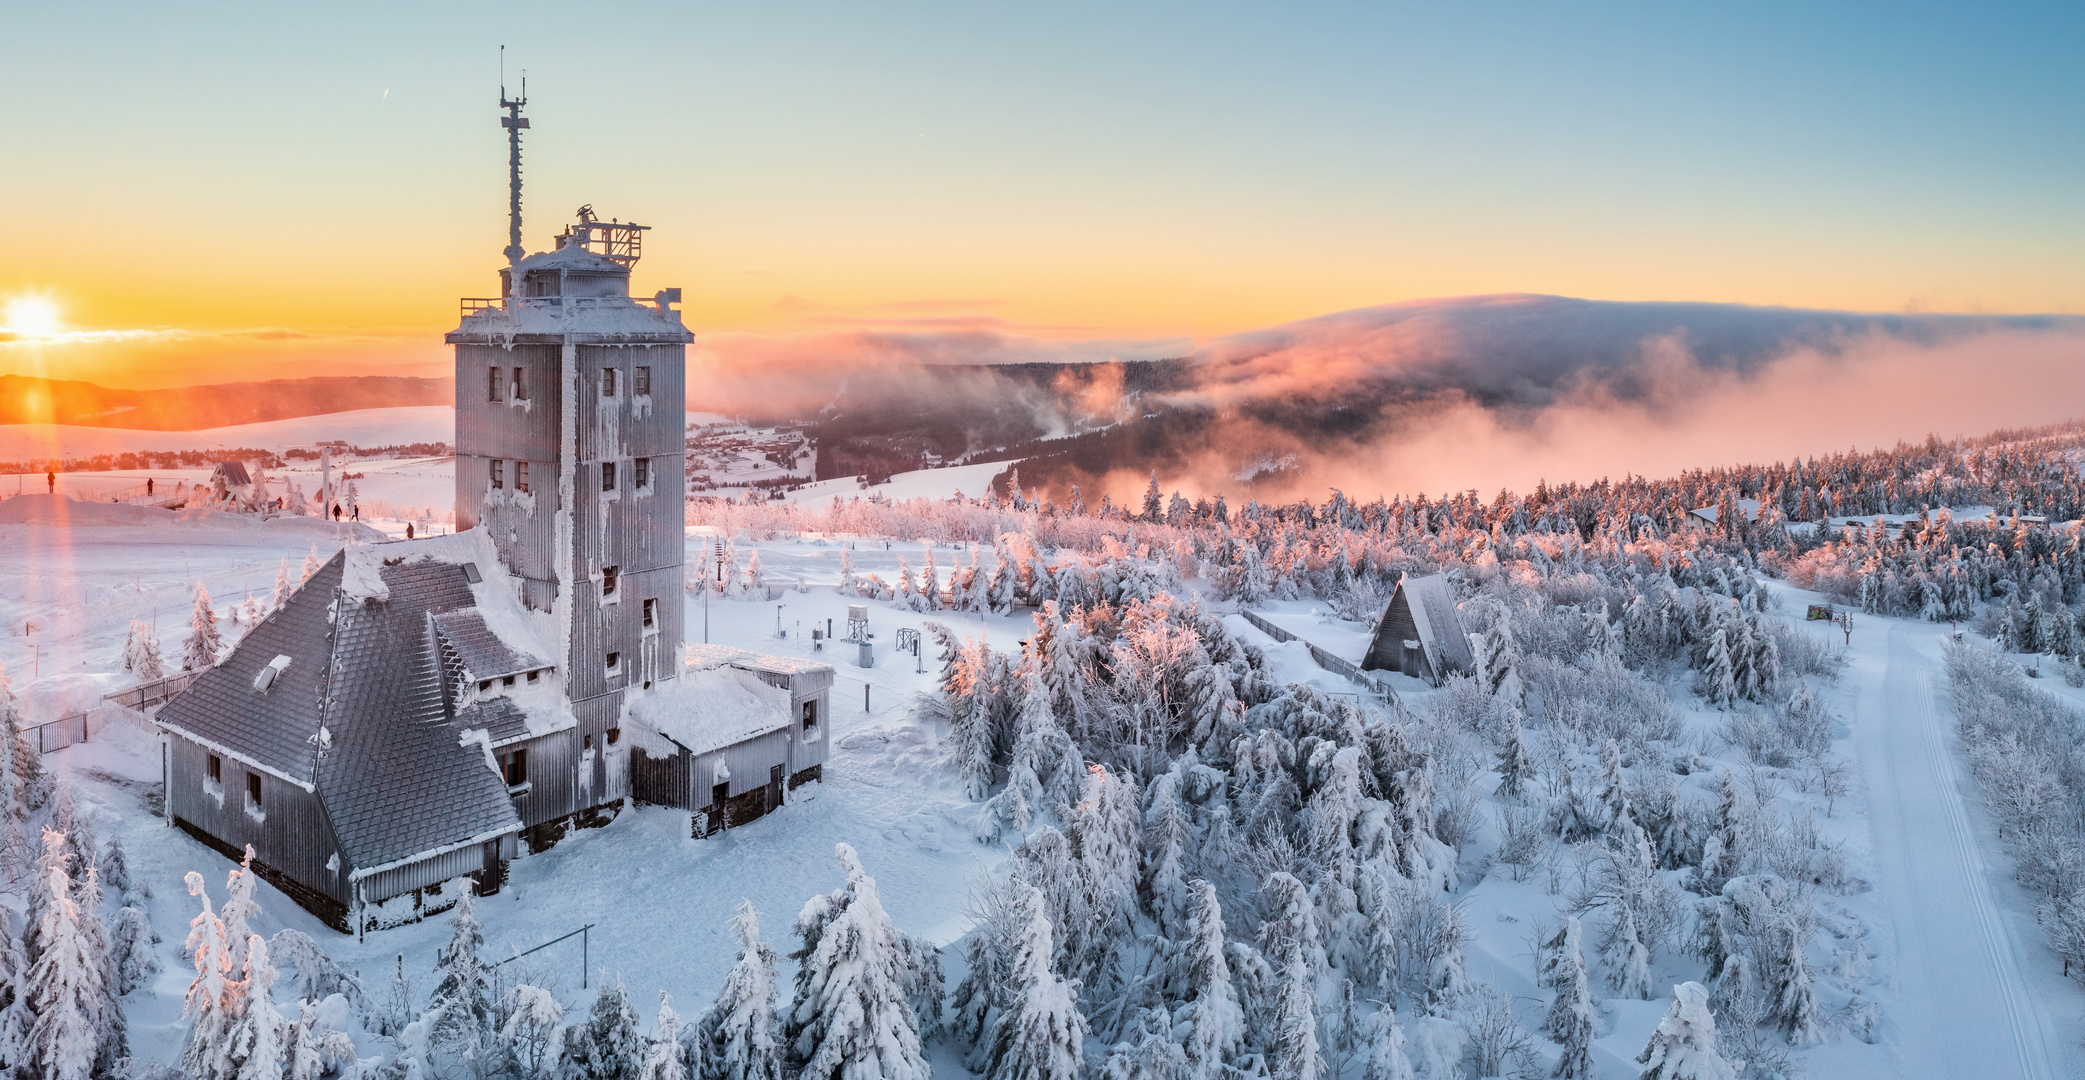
x,y
392,771
502,719
1432,604
233,472
483,654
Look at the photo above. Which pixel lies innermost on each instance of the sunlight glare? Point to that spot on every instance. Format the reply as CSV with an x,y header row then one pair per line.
x,y
32,316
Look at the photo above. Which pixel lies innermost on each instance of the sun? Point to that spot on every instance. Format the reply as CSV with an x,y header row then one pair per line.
x,y
32,316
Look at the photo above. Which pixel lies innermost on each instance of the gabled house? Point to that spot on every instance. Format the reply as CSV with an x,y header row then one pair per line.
x,y
368,738
732,736
1420,633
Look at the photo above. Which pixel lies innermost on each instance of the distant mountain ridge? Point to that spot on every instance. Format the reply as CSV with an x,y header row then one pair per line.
x,y
30,400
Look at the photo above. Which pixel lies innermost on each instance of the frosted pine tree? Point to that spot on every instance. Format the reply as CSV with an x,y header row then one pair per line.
x,y
215,1001
1043,1035
847,584
1718,674
464,988
239,909
311,565
608,1046
1795,1005
756,579
1205,977
1386,1053
1514,765
1570,1020
313,1052
1613,798
1684,1046
929,583
204,643
851,1018
133,946
908,593
283,587
1293,1053
108,1014
64,990
1292,922
534,1031
15,1014
115,868
663,1059
740,1035
141,653
1044,775
1165,858
258,1038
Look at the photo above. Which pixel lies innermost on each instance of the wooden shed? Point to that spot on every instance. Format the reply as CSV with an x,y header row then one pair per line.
x,y
1420,633
732,736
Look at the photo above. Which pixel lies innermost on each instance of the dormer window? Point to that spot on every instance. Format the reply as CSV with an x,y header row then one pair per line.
x,y
506,680
608,382
534,675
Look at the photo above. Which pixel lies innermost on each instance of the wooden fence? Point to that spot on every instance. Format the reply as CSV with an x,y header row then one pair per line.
x,y
1338,665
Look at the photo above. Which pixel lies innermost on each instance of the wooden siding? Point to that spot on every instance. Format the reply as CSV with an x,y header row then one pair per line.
x,y
295,839
1387,652
553,778
382,886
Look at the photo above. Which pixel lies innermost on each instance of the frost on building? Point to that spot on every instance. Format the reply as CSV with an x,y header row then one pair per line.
x,y
396,725
1420,633
732,736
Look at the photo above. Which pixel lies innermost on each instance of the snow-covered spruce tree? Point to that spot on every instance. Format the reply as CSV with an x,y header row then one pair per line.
x,y
1292,1053
315,1052
314,975
64,990
1499,660
1515,767
1386,1053
239,909
852,1017
15,1014
283,586
608,1046
463,987
115,869
847,585
1795,1005
1218,1031
1570,1020
257,1038
1684,1046
1291,921
1717,679
1043,1035
739,1036
1044,775
141,653
1376,962
204,642
134,946
108,1014
311,566
534,1031
1613,797
215,1001
1165,857
33,784
664,1058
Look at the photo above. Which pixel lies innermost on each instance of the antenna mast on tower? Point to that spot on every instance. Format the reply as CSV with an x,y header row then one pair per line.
x,y
514,122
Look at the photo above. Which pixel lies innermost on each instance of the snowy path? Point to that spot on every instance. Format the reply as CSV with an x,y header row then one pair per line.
x,y
1964,1007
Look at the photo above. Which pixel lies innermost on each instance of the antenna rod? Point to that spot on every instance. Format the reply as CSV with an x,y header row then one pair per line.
x,y
514,122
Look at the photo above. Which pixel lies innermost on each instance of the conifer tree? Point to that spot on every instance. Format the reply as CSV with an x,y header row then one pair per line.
x,y
141,653
215,1001
1043,1035
64,990
258,1037
608,1046
283,587
133,945
311,566
1294,1053
464,990
1613,798
1386,1053
109,1021
1684,1045
313,1053
1514,765
32,783
239,909
852,1017
15,1013
1570,1020
1795,1005
739,1036
1219,1024
204,642
663,1059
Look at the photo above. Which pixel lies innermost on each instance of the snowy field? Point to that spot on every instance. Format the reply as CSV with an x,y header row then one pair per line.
x,y
361,427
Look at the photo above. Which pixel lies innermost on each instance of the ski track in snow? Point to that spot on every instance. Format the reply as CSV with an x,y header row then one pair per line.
x,y
1963,1007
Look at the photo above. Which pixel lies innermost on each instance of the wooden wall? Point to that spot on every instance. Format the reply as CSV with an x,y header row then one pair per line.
x,y
295,839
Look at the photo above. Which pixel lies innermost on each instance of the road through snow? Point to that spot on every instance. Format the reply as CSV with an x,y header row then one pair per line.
x,y
1963,1006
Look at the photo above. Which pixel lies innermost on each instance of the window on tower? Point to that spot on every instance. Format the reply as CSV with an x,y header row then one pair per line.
x,y
608,382
641,380
521,384
497,473
608,578
651,613
521,476
608,476
642,477
492,386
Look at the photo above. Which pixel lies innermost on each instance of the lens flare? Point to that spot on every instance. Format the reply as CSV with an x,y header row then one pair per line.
x,y
32,317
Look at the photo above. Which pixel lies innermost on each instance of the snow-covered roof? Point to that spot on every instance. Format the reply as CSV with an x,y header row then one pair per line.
x,y
1708,513
712,708
1432,604
233,473
571,257
707,657
601,318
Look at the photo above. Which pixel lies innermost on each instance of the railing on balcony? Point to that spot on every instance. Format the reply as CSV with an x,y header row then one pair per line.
x,y
473,305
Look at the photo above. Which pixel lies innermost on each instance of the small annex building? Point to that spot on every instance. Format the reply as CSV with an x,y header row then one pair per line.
x,y
393,727
1420,633
1704,517
732,736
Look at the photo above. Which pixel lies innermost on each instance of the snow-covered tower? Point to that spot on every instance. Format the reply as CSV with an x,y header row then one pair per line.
x,y
570,419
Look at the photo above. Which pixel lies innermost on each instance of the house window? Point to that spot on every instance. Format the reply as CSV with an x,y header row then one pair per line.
x,y
642,381
643,478
492,385
810,716
506,680
214,769
651,613
498,474
520,384
615,735
608,382
484,684
253,789
614,663
608,577
514,766
521,477
533,675
608,476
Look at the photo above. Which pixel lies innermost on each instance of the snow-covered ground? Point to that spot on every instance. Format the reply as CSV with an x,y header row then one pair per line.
x,y
361,427
970,481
